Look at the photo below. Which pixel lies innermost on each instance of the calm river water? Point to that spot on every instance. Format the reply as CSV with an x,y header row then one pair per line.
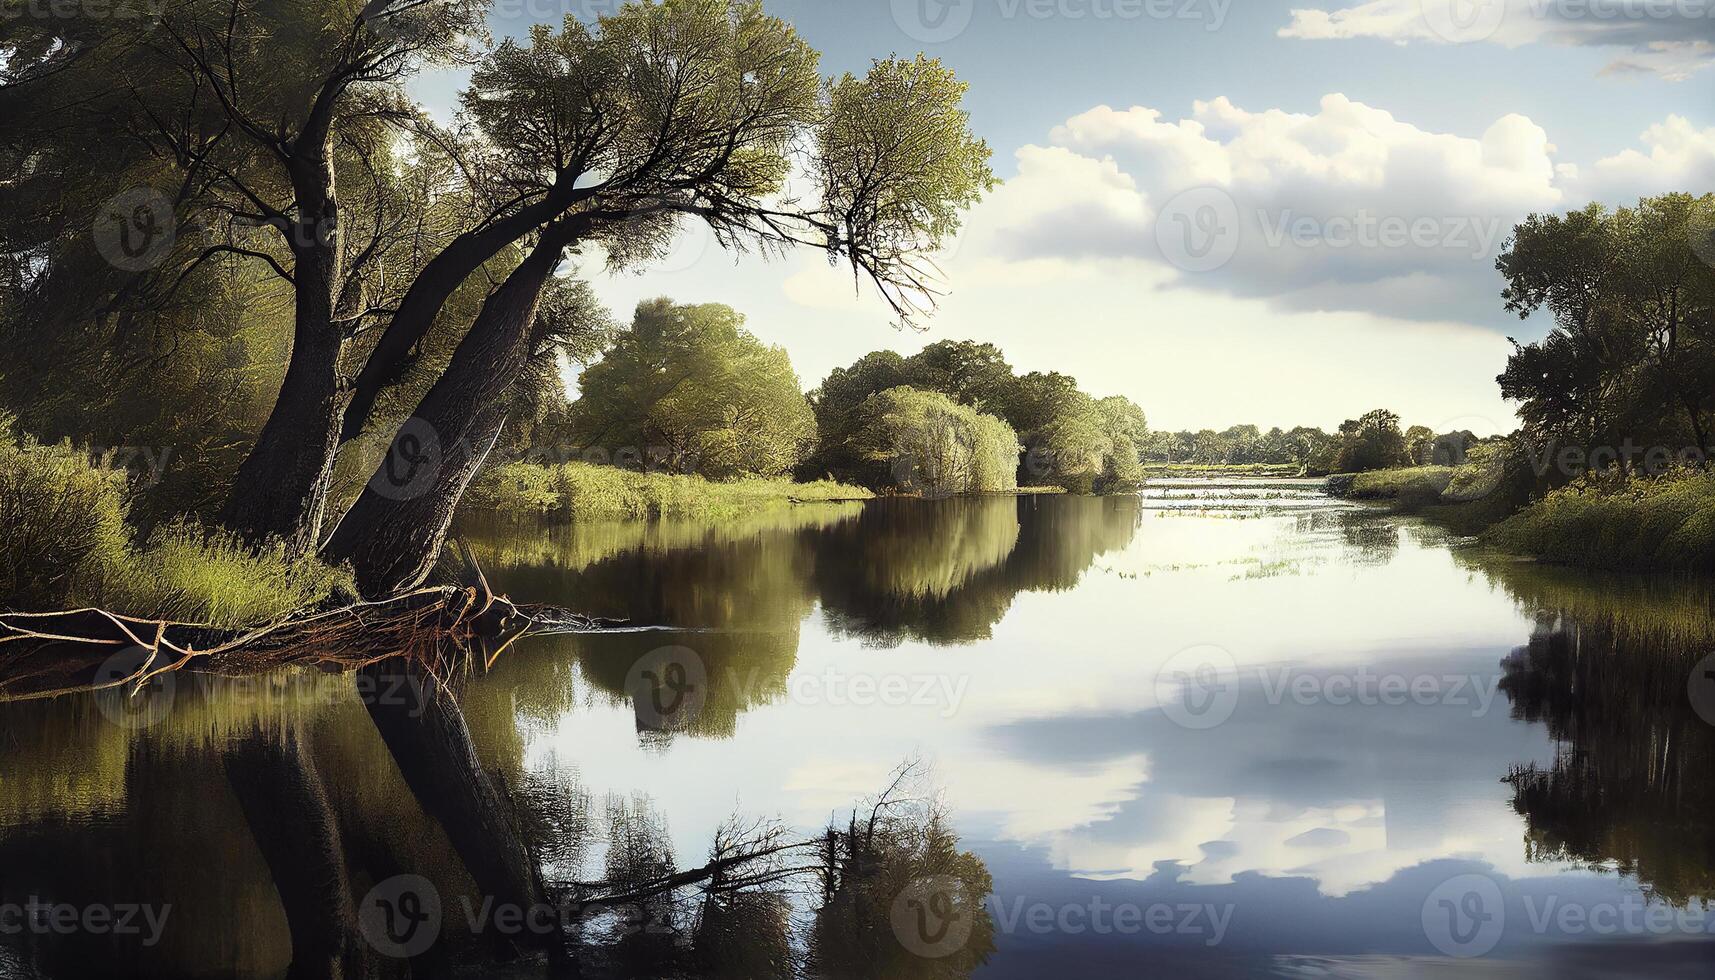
x,y
1221,729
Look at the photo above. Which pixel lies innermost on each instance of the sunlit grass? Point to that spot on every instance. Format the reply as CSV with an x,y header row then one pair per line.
x,y
187,574
64,543
585,491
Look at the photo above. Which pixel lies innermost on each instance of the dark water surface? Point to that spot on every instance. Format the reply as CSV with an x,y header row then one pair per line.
x,y
1218,730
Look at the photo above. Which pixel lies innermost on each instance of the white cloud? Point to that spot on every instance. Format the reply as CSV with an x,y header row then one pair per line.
x,y
1347,208
1061,267
1675,156
1670,38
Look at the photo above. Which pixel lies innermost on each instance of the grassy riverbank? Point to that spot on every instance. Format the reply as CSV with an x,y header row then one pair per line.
x,y
1666,523
584,491
1662,523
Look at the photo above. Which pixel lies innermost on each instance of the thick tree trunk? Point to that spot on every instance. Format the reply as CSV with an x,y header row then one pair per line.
x,y
390,358
281,487
395,531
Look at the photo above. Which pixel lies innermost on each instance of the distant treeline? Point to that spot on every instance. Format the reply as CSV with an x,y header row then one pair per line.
x,y
1371,442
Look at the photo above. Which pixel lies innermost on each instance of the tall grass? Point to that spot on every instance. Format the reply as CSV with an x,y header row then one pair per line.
x,y
584,491
64,543
188,574
1665,522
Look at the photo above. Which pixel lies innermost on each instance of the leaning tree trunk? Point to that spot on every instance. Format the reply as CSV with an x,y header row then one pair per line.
x,y
281,488
391,356
395,531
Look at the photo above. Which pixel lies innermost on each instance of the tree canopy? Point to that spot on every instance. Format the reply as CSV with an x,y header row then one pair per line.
x,y
688,388
344,265
1631,354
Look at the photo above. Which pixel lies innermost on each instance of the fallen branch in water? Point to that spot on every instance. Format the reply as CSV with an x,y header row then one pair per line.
x,y
443,630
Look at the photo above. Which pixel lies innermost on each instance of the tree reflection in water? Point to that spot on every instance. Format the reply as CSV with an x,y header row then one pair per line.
x,y
312,816
1609,671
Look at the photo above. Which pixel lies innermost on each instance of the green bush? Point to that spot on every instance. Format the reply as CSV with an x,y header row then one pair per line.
x,y
64,542
61,515
924,442
1666,522
587,492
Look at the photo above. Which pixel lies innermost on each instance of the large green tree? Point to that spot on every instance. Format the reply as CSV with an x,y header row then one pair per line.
x,y
690,388
1631,353
600,137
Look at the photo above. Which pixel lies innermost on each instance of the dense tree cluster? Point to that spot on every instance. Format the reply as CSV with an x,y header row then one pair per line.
x,y
689,390
1068,438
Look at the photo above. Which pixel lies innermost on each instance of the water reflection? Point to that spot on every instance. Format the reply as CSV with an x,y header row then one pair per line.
x,y
1625,690
947,571
1559,757
415,846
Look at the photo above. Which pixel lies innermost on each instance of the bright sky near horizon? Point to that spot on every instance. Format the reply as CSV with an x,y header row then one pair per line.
x,y
1241,212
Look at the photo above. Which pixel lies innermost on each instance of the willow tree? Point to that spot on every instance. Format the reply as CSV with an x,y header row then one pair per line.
x,y
689,387
704,110
593,139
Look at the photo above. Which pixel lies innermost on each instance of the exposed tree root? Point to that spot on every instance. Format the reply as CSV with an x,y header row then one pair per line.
x,y
442,630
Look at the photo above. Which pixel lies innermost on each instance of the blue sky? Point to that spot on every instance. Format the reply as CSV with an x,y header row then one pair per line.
x,y
1321,130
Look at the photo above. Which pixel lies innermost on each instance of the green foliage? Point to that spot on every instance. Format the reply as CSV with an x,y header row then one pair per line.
x,y
1631,356
61,516
64,540
193,575
689,385
586,492
898,164
1371,442
924,442
1665,523
1070,440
